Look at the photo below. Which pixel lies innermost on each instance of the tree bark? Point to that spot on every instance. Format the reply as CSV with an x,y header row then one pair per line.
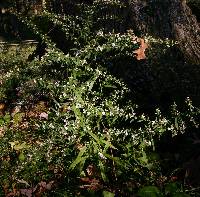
x,y
171,19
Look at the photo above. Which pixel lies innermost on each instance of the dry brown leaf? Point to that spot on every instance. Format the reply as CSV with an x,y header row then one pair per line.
x,y
140,53
43,115
39,110
31,114
26,192
91,170
78,145
91,184
15,192
2,108
2,132
15,110
40,107
24,125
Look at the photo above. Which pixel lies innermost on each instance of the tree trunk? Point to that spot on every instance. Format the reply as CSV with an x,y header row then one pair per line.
x,y
171,19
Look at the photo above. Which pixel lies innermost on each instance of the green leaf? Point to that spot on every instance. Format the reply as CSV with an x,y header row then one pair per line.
x,y
110,86
1,191
153,156
21,156
18,117
176,123
108,194
7,118
17,146
143,160
171,188
92,83
117,160
78,114
102,142
79,158
95,137
181,194
1,121
103,174
108,144
149,191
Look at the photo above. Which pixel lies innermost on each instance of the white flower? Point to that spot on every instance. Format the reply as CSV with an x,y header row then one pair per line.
x,y
103,113
102,156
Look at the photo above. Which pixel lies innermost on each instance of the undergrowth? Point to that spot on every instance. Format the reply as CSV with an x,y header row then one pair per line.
x,y
72,125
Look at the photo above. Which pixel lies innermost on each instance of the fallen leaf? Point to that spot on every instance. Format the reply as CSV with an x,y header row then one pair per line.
x,y
2,132
43,115
2,106
42,184
41,106
31,114
91,170
15,110
140,53
85,179
24,125
43,187
91,184
49,185
26,192
174,178
15,192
